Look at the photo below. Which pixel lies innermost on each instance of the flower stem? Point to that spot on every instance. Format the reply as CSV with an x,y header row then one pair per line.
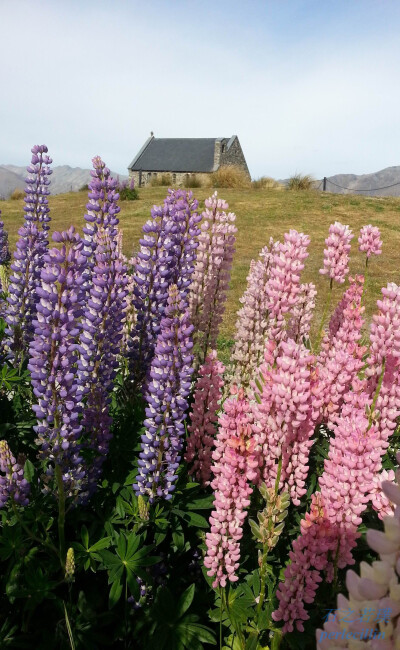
x,y
61,514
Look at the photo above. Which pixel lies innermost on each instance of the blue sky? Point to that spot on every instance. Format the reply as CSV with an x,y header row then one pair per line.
x,y
308,86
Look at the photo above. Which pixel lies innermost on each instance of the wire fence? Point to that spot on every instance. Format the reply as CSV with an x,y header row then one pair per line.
x,y
326,181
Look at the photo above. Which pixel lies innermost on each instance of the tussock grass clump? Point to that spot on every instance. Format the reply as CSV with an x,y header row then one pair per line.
x,y
230,176
266,183
17,194
300,182
165,180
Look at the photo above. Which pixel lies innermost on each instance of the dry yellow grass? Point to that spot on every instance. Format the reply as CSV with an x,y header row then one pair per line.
x,y
229,176
260,215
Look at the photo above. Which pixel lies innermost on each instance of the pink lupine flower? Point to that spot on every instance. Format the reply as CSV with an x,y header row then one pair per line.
x,y
341,356
336,253
303,574
236,465
300,321
385,330
212,271
345,486
253,318
376,590
203,417
379,500
283,286
285,416
370,241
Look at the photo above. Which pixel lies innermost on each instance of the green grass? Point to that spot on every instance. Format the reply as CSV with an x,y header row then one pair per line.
x,y
260,215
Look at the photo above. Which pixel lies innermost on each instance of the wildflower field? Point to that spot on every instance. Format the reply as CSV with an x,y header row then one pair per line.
x,y
181,469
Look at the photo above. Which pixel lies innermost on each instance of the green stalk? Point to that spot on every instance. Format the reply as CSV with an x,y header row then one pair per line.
x,y
61,514
324,315
263,568
31,534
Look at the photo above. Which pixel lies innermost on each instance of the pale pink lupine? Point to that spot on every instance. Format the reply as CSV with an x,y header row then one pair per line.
x,y
370,241
341,355
284,413
379,500
376,590
253,319
283,286
203,418
336,253
210,284
300,321
385,330
344,493
236,462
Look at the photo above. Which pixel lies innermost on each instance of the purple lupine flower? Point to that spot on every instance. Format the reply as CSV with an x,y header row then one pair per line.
x,y
12,482
336,253
166,256
5,255
370,241
102,331
28,258
53,359
167,393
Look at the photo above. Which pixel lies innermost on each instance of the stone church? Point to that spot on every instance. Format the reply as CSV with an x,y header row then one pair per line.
x,y
181,157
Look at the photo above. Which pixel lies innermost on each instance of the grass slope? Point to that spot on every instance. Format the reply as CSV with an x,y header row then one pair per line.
x,y
260,215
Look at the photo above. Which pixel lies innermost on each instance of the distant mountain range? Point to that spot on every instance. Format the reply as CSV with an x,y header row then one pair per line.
x,y
63,179
383,183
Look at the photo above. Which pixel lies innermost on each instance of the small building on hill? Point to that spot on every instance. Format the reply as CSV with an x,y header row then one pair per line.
x,y
182,157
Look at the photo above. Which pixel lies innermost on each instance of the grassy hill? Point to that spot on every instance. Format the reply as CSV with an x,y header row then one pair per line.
x,y
261,214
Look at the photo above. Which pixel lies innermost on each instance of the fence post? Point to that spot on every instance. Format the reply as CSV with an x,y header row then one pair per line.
x,y
324,185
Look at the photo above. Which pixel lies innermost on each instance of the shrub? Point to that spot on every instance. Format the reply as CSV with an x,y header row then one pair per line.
x,y
230,176
84,188
299,182
17,194
128,194
266,183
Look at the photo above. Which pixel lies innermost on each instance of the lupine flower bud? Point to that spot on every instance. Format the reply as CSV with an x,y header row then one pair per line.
x,y
70,565
336,253
143,508
370,241
13,485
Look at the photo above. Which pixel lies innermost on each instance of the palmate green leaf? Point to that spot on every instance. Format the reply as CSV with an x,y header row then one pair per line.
x,y
115,593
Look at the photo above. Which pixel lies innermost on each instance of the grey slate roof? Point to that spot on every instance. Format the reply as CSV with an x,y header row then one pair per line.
x,y
176,155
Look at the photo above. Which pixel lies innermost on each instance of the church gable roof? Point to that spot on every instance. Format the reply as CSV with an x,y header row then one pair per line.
x,y
176,155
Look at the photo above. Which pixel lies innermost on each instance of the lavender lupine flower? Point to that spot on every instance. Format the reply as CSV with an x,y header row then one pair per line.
x,y
370,241
28,258
12,482
211,277
167,392
336,253
102,331
166,256
53,358
5,255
